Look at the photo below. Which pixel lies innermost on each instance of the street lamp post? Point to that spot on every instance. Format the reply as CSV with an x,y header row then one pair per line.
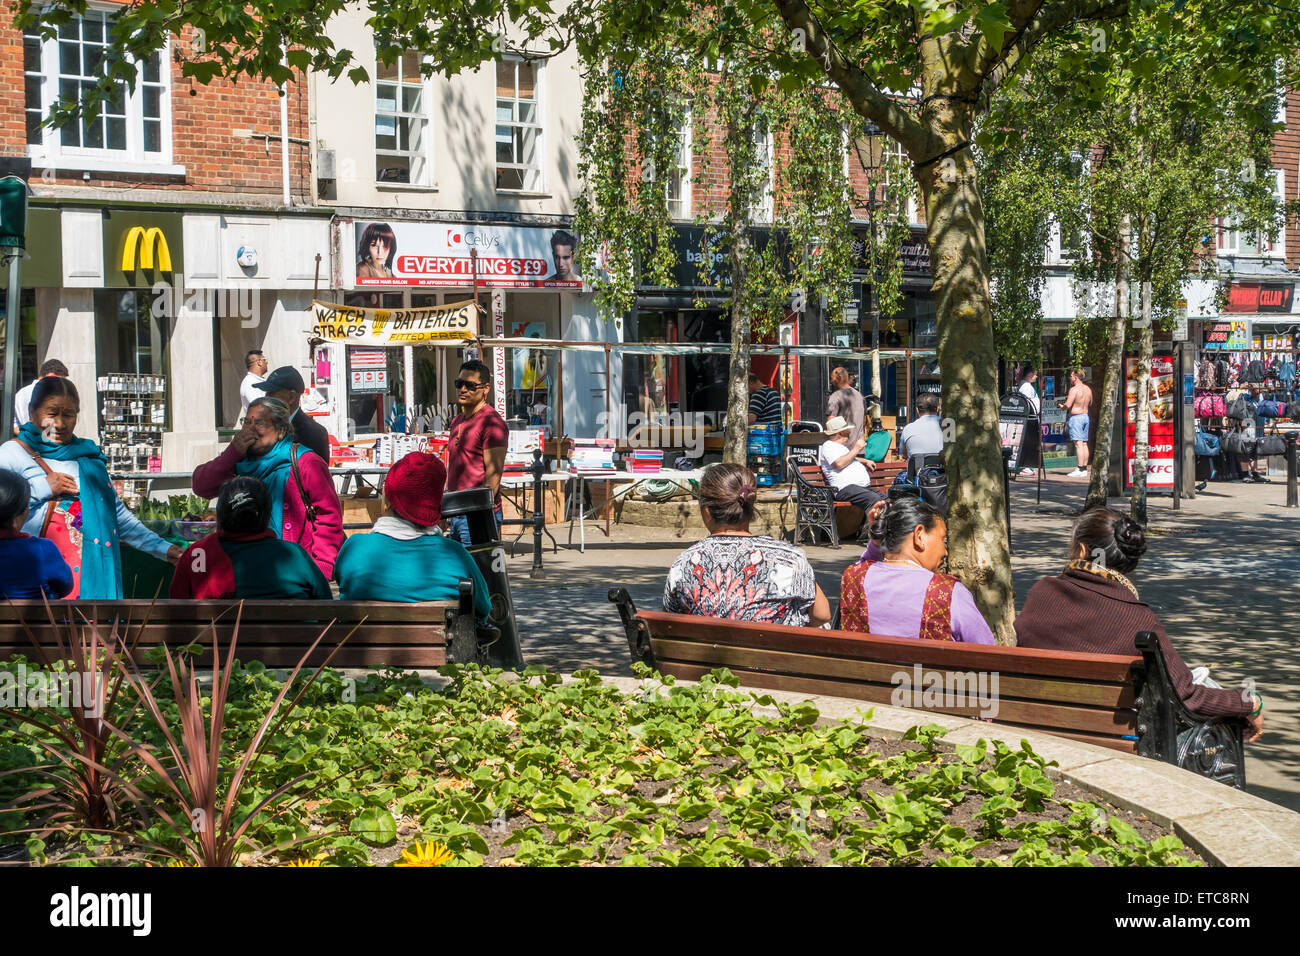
x,y
872,303
13,239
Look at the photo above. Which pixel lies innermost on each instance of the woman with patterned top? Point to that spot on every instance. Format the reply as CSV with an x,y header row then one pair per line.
x,y
903,594
737,575
1093,607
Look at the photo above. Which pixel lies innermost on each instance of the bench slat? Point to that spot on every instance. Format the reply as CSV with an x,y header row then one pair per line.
x,y
1010,685
136,611
1047,718
900,650
178,633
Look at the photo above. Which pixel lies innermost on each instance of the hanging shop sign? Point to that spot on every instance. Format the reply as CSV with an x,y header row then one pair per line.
x,y
1225,335
1259,297
1162,389
439,254
1016,420
441,324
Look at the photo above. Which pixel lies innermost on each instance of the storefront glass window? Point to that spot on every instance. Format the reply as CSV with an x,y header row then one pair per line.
x,y
130,338
28,366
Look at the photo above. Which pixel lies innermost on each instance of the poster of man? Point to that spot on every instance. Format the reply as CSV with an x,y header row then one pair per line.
x,y
563,246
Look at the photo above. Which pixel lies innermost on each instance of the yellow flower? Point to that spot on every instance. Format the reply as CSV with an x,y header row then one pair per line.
x,y
304,863
426,854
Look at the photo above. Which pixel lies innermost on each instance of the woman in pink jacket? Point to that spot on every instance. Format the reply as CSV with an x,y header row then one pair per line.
x,y
304,507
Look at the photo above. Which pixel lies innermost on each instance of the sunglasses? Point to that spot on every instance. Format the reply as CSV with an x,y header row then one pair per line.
x,y
258,423
469,386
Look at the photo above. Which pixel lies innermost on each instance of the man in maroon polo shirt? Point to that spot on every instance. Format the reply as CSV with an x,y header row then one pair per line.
x,y
476,450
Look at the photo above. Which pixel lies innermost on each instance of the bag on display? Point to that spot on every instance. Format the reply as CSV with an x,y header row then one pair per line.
x,y
1205,374
1234,443
1293,411
1207,444
1267,408
1287,372
1254,373
1221,374
1210,406
1241,410
1270,445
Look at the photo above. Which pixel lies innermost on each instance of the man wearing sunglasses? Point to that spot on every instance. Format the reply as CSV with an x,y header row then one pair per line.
x,y
476,450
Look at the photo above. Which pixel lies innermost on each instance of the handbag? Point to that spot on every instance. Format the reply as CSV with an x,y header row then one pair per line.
x,y
1241,410
1206,444
1267,408
1267,445
1210,406
1235,444
1293,411
310,508
877,445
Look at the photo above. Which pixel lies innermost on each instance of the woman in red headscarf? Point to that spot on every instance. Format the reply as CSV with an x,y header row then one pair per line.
x,y
405,557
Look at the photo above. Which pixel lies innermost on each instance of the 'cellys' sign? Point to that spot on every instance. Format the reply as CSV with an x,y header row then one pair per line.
x,y
443,324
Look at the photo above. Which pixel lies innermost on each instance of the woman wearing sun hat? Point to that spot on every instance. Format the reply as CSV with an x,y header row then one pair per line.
x,y
404,557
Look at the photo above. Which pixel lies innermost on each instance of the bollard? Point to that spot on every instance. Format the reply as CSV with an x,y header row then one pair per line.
x,y
1292,497
476,505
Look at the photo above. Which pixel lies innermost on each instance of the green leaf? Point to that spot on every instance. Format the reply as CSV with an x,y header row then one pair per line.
x,y
993,23
375,826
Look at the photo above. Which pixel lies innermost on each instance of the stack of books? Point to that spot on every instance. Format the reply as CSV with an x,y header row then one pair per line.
x,y
592,455
644,460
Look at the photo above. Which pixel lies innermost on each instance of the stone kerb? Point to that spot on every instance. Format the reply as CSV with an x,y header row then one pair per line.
x,y
1228,827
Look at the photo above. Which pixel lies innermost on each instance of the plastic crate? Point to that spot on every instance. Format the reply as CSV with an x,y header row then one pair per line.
x,y
765,481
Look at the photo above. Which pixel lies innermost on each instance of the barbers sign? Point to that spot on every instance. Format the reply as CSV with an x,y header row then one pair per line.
x,y
441,325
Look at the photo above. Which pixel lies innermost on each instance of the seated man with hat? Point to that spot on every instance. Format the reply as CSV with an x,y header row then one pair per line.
x,y
404,557
848,475
286,384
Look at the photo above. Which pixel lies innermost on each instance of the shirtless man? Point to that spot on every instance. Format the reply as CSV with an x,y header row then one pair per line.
x,y
1077,403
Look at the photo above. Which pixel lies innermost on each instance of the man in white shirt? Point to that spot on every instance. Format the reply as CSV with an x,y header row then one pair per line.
x,y
1028,376
925,435
256,364
23,399
848,475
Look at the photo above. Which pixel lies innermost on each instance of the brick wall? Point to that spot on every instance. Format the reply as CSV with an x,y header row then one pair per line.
x,y
1286,157
202,118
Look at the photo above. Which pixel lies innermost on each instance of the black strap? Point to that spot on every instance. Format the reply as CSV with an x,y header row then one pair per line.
x,y
297,480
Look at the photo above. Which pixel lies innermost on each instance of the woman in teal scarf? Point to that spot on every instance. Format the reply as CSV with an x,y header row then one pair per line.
x,y
73,502
304,506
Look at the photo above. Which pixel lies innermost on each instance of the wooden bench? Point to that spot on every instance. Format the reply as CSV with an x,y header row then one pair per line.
x,y
817,509
1124,703
277,633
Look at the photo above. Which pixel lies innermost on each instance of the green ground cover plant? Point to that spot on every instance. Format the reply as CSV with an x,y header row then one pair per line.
x,y
541,771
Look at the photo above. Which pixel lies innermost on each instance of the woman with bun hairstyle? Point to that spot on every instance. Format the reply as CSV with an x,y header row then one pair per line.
x,y
72,501
737,575
243,558
1093,607
904,594
29,567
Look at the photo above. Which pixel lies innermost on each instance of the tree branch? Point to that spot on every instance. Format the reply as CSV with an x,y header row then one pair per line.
x,y
858,88
1046,20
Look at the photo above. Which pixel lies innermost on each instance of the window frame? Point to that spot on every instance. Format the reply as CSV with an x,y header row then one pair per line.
x,y
897,151
51,152
539,101
397,115
764,210
685,134
1228,235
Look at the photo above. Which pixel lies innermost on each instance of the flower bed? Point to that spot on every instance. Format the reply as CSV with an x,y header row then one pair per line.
x,y
545,772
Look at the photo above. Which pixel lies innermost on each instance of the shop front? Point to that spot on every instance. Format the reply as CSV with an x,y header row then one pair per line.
x,y
527,284
153,311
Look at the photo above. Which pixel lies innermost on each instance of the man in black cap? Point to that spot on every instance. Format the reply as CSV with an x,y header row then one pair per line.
x,y
286,384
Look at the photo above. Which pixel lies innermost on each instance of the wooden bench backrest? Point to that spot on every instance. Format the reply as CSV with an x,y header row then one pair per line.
x,y
274,632
1090,697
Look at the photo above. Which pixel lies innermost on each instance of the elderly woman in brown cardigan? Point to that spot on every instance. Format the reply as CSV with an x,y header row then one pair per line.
x,y
1093,607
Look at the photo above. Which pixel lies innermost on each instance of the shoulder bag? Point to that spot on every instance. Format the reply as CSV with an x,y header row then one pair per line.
x,y
310,508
